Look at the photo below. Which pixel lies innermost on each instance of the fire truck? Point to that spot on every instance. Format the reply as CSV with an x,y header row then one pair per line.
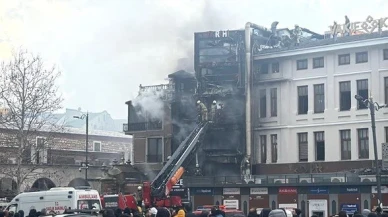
x,y
157,192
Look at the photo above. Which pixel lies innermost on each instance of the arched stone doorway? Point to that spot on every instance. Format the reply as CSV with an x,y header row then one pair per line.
x,y
42,184
78,182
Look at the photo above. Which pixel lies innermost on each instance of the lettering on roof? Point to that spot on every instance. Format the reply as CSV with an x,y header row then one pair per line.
x,y
368,26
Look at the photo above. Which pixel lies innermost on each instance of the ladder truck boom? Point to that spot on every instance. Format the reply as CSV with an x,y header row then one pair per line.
x,y
173,170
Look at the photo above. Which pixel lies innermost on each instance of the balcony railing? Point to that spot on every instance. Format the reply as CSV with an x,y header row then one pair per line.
x,y
143,126
283,179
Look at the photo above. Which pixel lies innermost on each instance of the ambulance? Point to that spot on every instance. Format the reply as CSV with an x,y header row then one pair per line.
x,y
57,200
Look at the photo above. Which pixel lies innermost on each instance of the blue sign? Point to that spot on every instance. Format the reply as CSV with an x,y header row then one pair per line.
x,y
319,190
202,191
349,208
349,190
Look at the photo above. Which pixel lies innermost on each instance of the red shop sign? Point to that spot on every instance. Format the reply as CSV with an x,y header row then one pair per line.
x,y
288,190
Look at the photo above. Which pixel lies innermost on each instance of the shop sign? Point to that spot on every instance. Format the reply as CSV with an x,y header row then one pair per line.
x,y
203,191
231,204
349,190
178,191
317,205
288,190
368,26
349,208
231,191
258,191
384,189
319,190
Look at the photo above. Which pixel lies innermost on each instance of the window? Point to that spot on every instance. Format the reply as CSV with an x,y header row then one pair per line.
x,y
319,146
345,145
274,148
318,62
97,146
386,90
386,134
301,64
263,103
39,151
263,68
385,54
362,57
344,59
363,143
274,102
275,67
319,98
345,95
263,147
362,90
303,100
154,150
303,147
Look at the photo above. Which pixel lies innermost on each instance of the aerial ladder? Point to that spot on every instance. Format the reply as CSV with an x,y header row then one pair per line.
x,y
157,192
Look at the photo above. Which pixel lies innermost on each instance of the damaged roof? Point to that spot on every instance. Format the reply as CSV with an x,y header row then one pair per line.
x,y
181,74
327,41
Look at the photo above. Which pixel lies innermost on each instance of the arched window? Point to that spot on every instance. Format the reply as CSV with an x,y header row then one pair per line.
x,y
333,207
366,204
245,207
303,207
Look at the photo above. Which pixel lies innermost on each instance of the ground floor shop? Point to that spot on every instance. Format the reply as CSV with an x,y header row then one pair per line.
x,y
318,200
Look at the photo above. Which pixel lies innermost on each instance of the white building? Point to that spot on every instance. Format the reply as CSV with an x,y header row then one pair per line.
x,y
304,105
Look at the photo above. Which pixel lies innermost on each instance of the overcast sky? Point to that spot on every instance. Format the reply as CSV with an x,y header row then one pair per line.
x,y
106,48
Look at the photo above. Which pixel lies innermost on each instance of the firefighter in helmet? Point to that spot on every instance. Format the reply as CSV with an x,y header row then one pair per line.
x,y
202,110
213,111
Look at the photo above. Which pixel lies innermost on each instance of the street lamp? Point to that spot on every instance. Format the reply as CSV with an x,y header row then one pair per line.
x,y
86,166
373,106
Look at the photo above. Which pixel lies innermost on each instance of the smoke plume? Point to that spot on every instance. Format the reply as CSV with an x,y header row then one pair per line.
x,y
150,103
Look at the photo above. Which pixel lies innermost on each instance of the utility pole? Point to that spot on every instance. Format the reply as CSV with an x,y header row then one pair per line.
x,y
373,107
86,166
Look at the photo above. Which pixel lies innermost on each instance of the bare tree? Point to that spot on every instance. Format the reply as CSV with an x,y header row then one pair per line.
x,y
28,97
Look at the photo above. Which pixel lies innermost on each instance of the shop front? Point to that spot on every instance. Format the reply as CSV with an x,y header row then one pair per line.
x,y
374,196
318,198
287,197
258,198
349,199
202,196
231,198
318,208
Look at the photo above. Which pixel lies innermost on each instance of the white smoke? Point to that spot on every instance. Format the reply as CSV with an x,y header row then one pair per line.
x,y
150,103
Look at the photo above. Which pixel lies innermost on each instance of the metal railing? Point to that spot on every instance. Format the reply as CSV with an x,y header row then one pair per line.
x,y
332,178
143,126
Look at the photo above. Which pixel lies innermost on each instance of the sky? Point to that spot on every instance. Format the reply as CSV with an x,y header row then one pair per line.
x,y
106,48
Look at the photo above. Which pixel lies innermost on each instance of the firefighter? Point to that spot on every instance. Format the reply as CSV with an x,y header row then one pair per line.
x,y
213,111
203,110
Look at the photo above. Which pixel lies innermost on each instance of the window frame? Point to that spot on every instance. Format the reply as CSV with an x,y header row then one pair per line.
x,y
275,65
158,159
274,148
342,86
346,141
360,139
303,140
263,103
274,101
318,62
362,57
361,105
301,90
263,145
345,57
319,136
385,54
386,90
300,64
319,98
94,146
264,68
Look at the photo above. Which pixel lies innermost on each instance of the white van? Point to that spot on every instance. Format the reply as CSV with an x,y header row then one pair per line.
x,y
56,199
